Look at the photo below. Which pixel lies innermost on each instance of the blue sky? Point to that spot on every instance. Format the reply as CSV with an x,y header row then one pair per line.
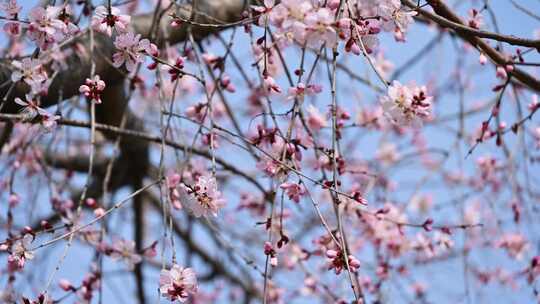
x,y
437,66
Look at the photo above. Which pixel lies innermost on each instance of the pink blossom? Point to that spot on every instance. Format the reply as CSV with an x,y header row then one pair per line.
x,y
148,47
178,283
421,203
301,90
12,28
515,244
203,198
263,11
482,59
320,28
210,140
363,32
104,22
294,190
173,181
269,167
501,73
227,84
211,59
98,212
333,4
267,6
176,70
316,120
13,200
357,196
289,17
271,252
337,262
394,17
488,167
535,103
93,88
43,298
443,242
472,214
476,20
131,50
31,108
370,117
399,36
49,121
91,202
197,112
536,134
10,8
20,253
267,60
310,286
90,284
66,285
406,105
45,28
31,71
371,43
125,250
423,245
150,251
271,85
387,154
354,263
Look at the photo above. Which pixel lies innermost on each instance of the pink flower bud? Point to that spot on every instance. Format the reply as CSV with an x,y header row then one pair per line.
x,y
90,202
150,252
173,180
501,73
428,225
331,254
65,285
99,212
268,248
333,4
482,59
354,262
13,200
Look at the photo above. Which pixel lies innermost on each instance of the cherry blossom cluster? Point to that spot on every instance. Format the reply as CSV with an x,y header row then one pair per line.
x,y
315,23
20,252
328,197
201,198
92,89
105,21
32,72
406,104
177,283
132,50
11,10
336,261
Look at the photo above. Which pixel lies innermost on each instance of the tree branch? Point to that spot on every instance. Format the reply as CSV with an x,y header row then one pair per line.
x,y
66,83
445,18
